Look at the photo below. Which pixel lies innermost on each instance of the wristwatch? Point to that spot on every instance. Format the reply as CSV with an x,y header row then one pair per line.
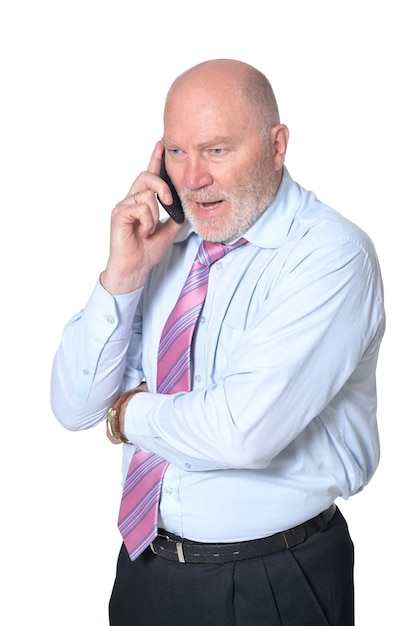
x,y
113,429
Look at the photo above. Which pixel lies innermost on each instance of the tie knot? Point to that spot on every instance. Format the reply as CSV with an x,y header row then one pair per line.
x,y
211,251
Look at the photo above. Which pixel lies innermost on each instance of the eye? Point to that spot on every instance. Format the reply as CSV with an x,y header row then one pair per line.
x,y
218,151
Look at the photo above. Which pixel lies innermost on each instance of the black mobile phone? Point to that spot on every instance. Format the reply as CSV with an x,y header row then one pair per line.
x,y
175,209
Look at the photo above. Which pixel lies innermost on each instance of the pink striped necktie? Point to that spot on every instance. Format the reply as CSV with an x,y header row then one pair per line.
x,y
138,517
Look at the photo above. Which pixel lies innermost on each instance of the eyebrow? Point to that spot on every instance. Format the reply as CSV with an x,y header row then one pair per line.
x,y
207,144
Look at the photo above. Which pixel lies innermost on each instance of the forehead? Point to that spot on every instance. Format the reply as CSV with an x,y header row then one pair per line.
x,y
206,109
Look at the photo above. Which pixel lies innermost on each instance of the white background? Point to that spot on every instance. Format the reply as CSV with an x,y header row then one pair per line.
x,y
83,84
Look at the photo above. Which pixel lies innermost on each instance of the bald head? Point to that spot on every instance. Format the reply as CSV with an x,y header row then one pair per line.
x,y
229,79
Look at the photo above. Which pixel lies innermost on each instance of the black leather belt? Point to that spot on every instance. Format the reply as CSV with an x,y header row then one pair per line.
x,y
183,550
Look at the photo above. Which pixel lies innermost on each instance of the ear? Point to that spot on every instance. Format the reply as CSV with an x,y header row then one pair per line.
x,y
279,140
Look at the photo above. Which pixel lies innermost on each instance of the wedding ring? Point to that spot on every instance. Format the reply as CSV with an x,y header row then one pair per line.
x,y
134,198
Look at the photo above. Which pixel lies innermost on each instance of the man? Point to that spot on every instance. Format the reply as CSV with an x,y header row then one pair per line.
x,y
279,416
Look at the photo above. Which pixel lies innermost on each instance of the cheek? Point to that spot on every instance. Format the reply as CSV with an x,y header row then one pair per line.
x,y
233,183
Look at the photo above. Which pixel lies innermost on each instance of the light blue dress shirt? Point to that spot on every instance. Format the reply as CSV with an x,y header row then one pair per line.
x,y
281,420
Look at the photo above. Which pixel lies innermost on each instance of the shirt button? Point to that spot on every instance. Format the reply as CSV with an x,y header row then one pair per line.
x,y
110,319
187,465
86,371
197,378
168,491
219,265
202,320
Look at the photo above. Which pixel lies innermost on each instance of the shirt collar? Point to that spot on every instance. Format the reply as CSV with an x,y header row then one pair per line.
x,y
272,228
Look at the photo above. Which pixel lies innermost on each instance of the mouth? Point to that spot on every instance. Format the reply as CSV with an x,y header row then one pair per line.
x,y
207,206
203,204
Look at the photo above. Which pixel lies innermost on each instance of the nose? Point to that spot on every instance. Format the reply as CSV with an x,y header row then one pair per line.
x,y
197,174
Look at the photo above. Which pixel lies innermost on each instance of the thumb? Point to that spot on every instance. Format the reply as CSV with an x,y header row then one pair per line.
x,y
168,230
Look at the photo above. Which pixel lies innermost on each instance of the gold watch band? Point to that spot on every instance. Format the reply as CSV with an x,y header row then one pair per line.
x,y
113,416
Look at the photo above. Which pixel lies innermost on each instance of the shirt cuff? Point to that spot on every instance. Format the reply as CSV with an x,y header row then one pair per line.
x,y
107,315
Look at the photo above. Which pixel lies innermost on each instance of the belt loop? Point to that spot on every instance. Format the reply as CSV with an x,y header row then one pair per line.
x,y
180,552
294,536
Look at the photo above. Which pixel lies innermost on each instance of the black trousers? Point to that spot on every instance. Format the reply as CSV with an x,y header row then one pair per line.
x,y
308,585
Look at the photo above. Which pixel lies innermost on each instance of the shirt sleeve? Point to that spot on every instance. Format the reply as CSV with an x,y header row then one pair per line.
x,y
91,365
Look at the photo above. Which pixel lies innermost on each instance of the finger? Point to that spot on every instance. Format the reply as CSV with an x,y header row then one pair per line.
x,y
142,205
155,162
143,181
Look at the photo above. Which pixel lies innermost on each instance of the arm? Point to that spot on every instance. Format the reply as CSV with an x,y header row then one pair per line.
x,y
90,366
306,348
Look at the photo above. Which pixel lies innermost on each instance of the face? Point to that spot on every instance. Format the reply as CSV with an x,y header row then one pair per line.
x,y
225,173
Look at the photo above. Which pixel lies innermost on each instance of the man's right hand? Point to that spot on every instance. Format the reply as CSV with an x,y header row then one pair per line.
x,y
138,239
